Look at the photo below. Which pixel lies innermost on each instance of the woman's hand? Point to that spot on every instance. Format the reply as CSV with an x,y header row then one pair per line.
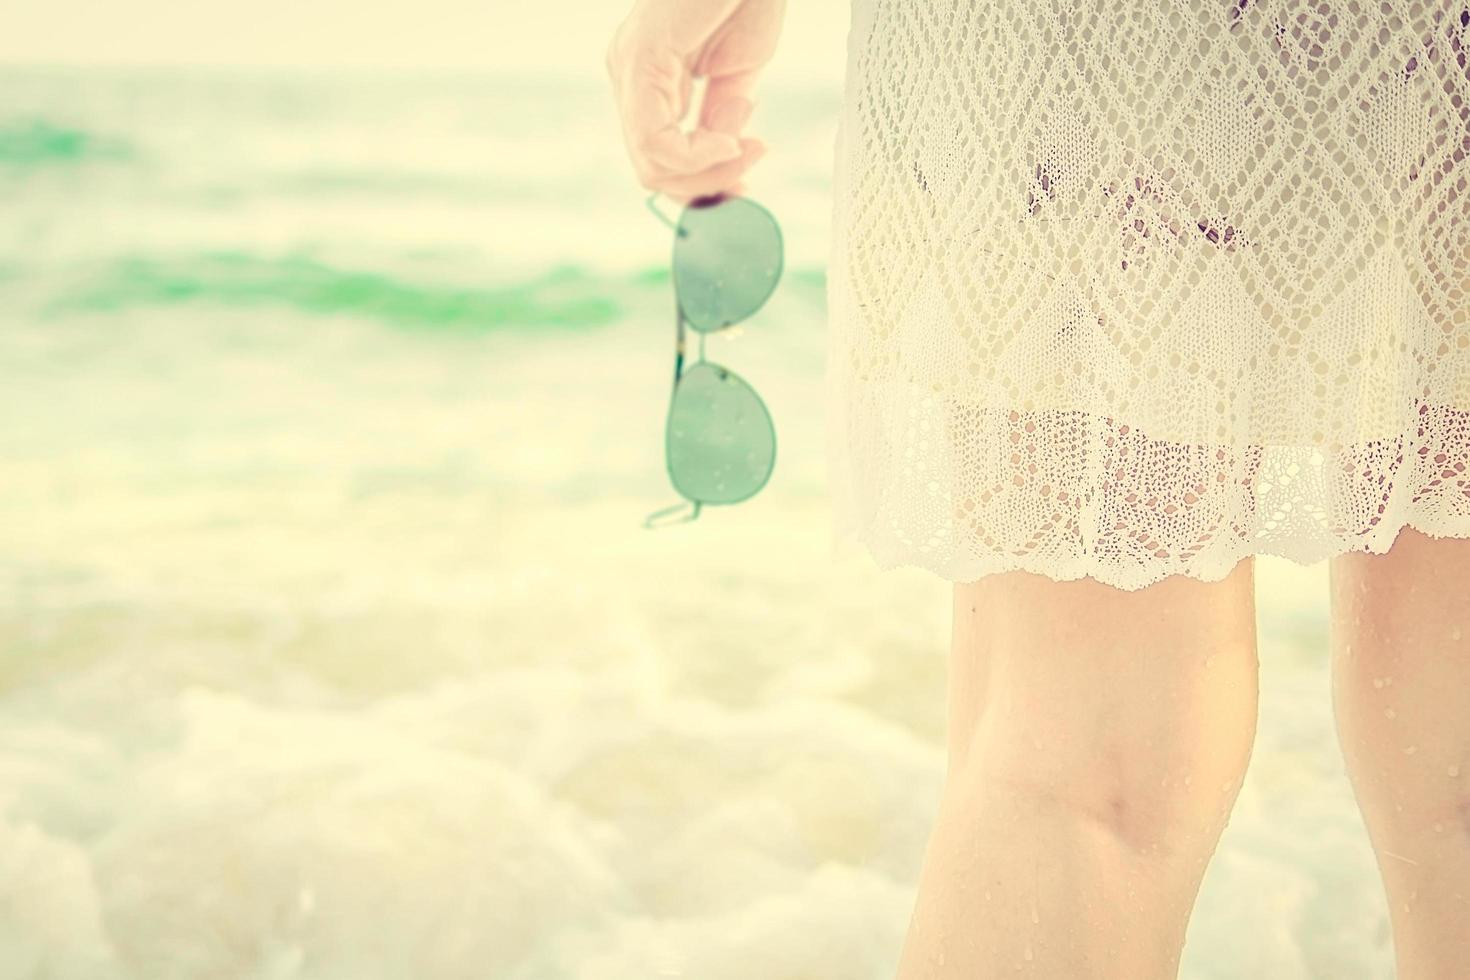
x,y
655,55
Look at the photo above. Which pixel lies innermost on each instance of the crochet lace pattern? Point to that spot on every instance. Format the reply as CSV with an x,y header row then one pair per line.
x,y
1137,288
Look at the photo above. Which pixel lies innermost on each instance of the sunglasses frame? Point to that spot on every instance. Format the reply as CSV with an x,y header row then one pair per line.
x,y
694,506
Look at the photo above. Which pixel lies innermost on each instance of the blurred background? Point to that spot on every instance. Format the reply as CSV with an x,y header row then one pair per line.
x,y
335,347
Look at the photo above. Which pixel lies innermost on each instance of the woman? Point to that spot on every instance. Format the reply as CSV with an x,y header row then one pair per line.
x,y
1122,293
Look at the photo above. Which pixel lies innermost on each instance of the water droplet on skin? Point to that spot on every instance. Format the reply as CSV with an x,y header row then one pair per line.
x,y
1454,771
941,957
987,894
1388,682
1410,749
1034,918
1455,633
1439,828
1378,682
1347,651
1028,953
1390,713
1188,780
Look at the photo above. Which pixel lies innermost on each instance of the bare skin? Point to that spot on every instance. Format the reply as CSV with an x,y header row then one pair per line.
x,y
656,53
1097,741
1401,695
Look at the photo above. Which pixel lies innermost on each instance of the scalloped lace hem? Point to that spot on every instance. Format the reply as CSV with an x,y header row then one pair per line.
x,y
888,553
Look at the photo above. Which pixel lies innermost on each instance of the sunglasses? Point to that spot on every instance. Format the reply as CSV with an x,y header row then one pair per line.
x,y
719,442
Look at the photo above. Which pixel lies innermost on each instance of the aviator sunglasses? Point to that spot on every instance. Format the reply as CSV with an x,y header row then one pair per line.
x,y
719,442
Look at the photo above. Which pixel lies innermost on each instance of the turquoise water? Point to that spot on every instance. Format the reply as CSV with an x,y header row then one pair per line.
x,y
332,645
466,203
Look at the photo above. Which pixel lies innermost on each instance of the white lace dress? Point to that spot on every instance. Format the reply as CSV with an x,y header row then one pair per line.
x,y
1134,288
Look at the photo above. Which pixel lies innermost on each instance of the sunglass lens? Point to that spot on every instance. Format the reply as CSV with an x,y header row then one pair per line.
x,y
721,444
727,261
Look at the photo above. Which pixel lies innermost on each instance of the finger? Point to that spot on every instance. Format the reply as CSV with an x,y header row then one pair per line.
x,y
729,116
721,178
651,93
727,98
676,153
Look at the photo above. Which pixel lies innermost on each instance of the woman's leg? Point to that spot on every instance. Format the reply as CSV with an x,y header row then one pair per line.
x,y
1098,739
1401,693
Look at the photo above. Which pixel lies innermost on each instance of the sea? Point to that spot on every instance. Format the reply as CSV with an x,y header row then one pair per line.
x,y
332,644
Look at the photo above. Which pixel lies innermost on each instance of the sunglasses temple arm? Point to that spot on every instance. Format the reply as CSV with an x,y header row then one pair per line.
x,y
678,344
651,521
661,216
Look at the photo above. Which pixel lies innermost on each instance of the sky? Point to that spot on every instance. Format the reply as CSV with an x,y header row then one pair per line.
x,y
558,35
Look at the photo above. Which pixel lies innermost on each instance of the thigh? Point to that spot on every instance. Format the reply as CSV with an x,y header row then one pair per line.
x,y
1415,596
1101,689
1401,651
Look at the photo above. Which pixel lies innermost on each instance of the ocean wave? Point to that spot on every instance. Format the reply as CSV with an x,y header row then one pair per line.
x,y
37,143
565,296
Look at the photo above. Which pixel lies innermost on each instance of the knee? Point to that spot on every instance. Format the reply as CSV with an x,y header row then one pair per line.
x,y
1132,712
1154,790
1417,810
